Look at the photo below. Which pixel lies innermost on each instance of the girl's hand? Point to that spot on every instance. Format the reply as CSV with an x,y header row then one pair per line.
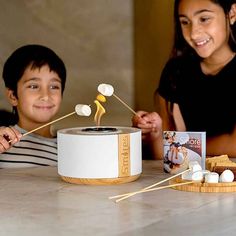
x,y
8,137
149,123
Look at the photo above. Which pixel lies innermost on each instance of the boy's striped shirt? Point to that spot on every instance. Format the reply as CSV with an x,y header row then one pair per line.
x,y
32,150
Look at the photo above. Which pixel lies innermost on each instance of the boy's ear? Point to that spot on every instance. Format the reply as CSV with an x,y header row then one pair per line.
x,y
11,97
232,14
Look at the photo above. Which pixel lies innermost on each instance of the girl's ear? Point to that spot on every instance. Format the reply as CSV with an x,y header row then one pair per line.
x,y
232,14
11,97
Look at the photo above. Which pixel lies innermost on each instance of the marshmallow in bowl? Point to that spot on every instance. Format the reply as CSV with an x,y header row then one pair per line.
x,y
82,110
227,176
106,89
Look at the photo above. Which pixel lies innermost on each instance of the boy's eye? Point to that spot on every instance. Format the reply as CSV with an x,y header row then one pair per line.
x,y
33,86
55,87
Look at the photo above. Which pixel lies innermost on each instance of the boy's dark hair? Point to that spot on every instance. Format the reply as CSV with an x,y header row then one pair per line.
x,y
35,56
181,47
7,118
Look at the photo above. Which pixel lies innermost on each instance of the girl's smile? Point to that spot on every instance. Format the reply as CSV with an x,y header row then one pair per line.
x,y
202,42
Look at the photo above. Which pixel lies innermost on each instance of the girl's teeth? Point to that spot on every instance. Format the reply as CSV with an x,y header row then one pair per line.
x,y
202,42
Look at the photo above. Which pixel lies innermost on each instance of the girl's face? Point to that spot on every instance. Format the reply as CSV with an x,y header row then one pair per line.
x,y
39,96
204,27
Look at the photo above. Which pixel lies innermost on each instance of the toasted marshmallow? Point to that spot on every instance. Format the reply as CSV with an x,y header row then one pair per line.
x,y
106,89
227,176
101,98
82,110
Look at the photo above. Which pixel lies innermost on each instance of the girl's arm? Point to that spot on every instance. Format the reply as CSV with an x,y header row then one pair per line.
x,y
151,126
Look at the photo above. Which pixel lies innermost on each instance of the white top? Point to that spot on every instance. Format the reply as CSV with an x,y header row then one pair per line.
x,y
32,150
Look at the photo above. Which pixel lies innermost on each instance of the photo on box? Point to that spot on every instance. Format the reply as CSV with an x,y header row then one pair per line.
x,y
182,147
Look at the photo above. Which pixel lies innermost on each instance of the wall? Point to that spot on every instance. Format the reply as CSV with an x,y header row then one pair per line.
x,y
153,40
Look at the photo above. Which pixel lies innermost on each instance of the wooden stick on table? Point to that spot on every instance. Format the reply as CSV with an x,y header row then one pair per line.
x,y
127,195
158,188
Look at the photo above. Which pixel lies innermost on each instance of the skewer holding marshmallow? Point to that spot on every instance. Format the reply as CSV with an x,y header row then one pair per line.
x,y
196,172
196,175
80,110
108,90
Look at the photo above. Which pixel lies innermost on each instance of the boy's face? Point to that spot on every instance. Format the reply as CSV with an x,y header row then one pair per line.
x,y
39,96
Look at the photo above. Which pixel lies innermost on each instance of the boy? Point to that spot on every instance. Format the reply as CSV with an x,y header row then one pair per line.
x,y
35,79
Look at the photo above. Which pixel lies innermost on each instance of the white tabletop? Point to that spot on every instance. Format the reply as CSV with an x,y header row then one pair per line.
x,y
35,201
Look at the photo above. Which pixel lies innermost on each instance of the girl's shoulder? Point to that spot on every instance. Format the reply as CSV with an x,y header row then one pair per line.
x,y
229,69
181,65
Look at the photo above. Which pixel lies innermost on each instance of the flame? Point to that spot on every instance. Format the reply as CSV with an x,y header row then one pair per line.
x,y
100,111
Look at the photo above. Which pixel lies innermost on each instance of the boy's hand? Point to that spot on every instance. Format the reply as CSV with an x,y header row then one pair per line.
x,y
8,137
149,123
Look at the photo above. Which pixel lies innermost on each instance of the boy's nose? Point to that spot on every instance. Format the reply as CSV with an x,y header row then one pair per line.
x,y
44,95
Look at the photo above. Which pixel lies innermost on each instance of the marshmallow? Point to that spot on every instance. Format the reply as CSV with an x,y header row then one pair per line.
x,y
227,176
212,177
187,175
106,89
194,166
197,176
101,98
82,110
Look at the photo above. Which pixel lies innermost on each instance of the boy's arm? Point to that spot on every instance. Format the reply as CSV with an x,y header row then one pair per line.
x,y
8,137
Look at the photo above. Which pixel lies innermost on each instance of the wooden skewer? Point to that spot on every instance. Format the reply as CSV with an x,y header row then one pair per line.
x,y
40,127
159,188
126,195
126,105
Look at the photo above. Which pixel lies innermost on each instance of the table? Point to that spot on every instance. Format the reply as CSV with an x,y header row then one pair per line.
x,y
35,201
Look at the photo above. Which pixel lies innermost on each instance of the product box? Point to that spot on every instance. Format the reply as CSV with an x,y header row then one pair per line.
x,y
182,147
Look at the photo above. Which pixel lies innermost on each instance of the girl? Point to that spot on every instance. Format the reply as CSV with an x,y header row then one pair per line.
x,y
197,85
35,78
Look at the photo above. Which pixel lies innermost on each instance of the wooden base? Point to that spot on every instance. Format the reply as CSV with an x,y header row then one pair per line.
x,y
204,187
104,181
